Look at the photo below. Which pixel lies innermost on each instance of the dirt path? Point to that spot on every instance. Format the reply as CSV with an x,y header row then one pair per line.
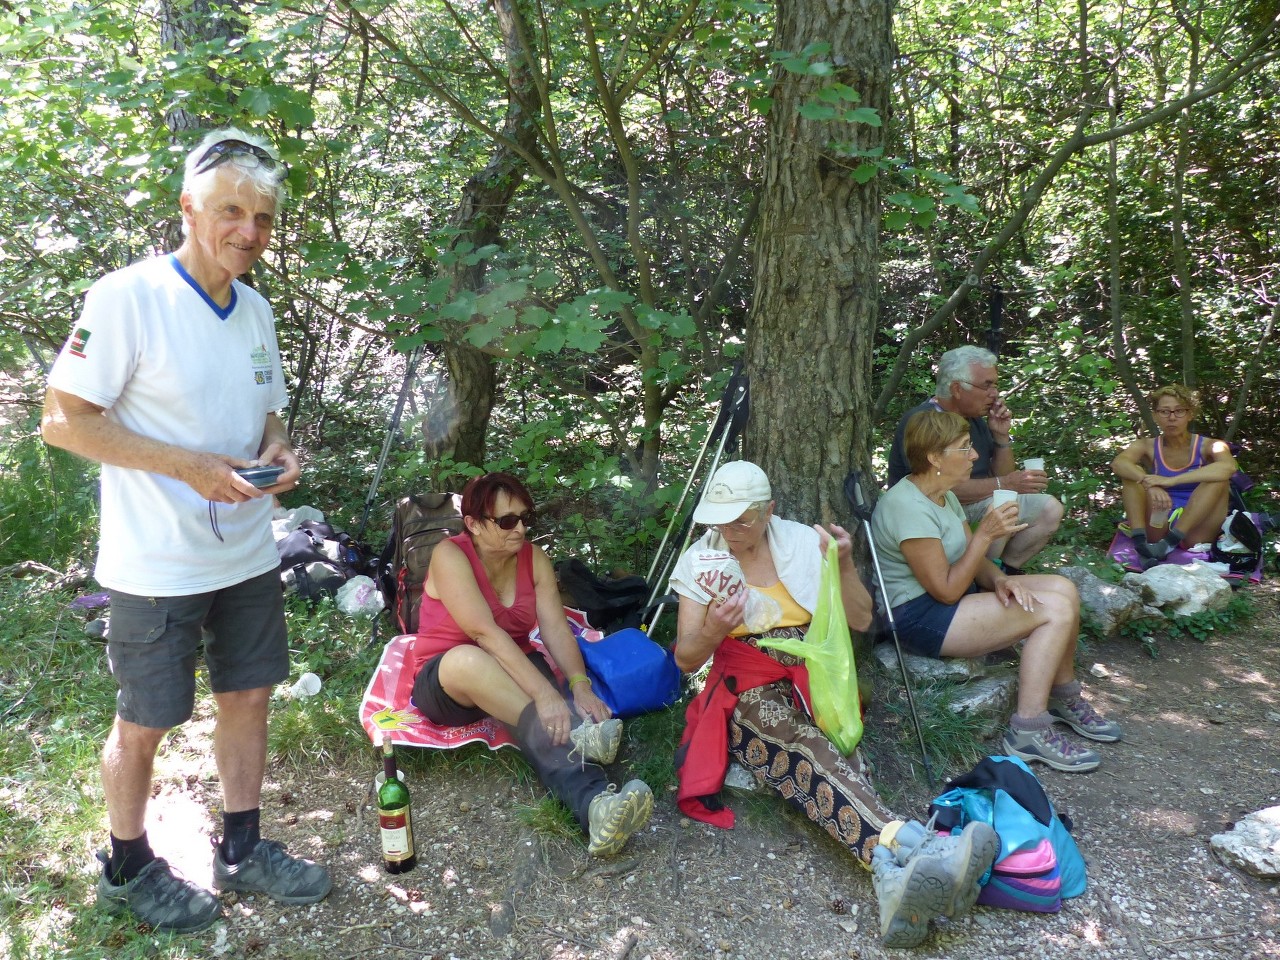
x,y
1202,724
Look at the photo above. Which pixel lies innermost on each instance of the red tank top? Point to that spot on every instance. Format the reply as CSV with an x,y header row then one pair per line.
x,y
438,631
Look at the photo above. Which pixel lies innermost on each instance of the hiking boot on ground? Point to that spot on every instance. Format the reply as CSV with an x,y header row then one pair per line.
x,y
909,896
160,898
967,856
597,742
1084,720
615,815
1049,747
271,871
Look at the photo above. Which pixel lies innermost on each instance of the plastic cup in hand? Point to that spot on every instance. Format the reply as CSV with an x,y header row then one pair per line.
x,y
307,685
1033,463
1159,518
1000,497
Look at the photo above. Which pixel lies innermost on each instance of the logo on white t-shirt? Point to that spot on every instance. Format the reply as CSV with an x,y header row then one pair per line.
x,y
261,361
79,343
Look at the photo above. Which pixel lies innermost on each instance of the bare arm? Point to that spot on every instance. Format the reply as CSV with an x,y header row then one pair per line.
x,y
1133,461
559,640
75,424
948,582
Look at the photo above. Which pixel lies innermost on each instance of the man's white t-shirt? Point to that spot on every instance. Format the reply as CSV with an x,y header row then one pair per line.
x,y
168,363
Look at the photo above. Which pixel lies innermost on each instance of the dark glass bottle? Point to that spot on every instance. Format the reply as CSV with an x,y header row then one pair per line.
x,y
395,822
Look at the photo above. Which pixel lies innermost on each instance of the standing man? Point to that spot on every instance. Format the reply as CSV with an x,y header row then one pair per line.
x,y
171,380
967,385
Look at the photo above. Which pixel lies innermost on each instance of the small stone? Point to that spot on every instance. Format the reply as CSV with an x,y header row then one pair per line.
x,y
848,926
1100,671
724,946
464,807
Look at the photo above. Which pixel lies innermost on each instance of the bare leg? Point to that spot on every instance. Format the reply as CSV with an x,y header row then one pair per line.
x,y
983,624
1136,511
475,679
1202,517
240,747
127,761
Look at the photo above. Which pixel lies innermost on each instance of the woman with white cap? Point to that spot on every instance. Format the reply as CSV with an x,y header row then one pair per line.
x,y
752,707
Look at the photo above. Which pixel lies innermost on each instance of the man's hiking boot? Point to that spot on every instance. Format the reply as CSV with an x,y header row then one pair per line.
x,y
1084,720
614,815
596,742
159,897
967,856
271,871
909,896
1049,747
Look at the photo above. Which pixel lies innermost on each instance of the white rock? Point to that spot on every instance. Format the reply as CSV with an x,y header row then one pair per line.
x,y
1253,845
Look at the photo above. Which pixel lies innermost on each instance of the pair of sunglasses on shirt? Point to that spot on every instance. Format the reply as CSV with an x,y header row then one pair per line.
x,y
509,521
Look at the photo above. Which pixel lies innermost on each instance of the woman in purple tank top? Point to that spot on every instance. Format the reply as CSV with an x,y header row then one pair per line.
x,y
1179,472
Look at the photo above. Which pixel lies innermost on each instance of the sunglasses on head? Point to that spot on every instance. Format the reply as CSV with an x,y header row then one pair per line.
x,y
509,521
225,150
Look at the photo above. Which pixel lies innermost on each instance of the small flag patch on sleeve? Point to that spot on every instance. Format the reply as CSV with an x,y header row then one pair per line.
x,y
79,342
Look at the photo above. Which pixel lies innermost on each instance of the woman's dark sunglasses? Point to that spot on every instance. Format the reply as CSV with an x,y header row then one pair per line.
x,y
224,150
509,521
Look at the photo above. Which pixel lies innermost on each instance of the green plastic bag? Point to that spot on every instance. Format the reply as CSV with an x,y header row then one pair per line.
x,y
827,650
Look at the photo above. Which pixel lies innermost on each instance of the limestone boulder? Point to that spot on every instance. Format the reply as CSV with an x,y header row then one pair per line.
x,y
1110,605
1252,845
1180,590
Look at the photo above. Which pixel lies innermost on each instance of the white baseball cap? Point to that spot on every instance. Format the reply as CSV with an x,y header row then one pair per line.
x,y
732,490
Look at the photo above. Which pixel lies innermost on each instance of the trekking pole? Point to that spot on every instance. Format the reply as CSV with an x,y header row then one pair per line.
x,y
411,367
862,512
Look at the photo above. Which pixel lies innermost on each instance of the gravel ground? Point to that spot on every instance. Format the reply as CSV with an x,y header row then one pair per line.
x,y
1200,752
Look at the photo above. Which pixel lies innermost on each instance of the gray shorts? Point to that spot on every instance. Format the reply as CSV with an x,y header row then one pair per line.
x,y
154,641
1029,507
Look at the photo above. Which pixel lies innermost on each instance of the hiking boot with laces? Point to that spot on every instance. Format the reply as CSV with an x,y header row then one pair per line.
x,y
1084,720
1051,748
967,856
596,742
271,871
909,897
159,897
614,815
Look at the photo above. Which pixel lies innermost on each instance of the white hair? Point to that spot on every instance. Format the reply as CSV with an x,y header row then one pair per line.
x,y
956,365
267,181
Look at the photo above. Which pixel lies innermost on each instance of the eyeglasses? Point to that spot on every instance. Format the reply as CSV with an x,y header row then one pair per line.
x,y
225,150
989,387
1176,413
739,525
966,449
509,521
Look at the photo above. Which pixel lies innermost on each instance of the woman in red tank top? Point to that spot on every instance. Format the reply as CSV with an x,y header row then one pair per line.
x,y
1177,469
486,591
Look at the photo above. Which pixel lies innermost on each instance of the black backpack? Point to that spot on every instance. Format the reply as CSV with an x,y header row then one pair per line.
x,y
419,523
1246,534
316,560
610,603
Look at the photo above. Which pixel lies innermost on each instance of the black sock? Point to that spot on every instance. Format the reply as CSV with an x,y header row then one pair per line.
x,y
240,834
128,858
1174,538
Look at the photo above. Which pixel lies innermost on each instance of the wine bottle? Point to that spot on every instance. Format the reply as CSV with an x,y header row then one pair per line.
x,y
394,818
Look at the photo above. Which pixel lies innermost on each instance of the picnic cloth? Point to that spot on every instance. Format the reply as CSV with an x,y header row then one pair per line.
x,y
386,706
1123,552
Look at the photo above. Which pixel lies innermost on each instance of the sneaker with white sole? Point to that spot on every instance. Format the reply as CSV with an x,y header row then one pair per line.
x,y
1080,716
160,898
268,869
1049,747
909,897
614,815
597,742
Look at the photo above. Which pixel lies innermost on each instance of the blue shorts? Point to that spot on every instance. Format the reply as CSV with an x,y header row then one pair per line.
x,y
154,641
922,623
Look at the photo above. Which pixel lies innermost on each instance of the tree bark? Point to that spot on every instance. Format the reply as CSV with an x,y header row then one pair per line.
x,y
809,335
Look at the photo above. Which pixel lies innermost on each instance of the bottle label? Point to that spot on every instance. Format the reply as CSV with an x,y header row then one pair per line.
x,y
397,834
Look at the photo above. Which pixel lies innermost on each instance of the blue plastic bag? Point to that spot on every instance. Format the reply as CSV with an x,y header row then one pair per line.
x,y
630,672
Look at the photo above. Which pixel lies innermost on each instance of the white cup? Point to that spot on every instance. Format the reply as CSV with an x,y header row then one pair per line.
x,y
1033,463
381,778
307,685
1000,497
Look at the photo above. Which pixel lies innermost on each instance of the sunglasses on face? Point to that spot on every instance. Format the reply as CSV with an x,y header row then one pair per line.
x,y
509,521
225,150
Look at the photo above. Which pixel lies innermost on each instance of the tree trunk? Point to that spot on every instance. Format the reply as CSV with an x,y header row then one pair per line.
x,y
459,423
809,336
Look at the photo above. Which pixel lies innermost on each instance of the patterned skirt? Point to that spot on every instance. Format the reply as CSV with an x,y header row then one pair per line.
x,y
783,747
